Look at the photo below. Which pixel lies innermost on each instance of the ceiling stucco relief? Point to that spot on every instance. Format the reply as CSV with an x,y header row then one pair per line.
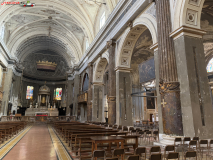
x,y
60,26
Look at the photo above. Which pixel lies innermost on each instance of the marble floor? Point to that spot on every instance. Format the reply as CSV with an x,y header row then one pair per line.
x,y
40,142
35,145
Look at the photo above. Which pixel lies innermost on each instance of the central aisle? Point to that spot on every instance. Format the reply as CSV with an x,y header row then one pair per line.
x,y
35,145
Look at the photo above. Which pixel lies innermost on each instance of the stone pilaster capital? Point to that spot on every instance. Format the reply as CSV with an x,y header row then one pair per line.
x,y
111,99
122,69
98,83
130,25
110,43
187,31
90,64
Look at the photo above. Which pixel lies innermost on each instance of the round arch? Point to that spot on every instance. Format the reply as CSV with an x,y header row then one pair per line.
x,y
130,37
187,12
100,68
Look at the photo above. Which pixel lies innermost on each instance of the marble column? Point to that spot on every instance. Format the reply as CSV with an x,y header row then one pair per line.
x,y
76,92
89,101
69,96
97,102
169,85
195,93
6,91
123,97
112,80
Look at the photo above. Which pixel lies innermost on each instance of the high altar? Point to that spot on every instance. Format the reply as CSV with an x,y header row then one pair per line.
x,y
43,104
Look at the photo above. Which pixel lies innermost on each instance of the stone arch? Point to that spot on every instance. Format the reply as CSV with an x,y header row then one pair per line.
x,y
131,36
187,12
100,68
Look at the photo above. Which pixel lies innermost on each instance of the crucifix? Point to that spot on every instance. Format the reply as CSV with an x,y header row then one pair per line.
x,y
163,103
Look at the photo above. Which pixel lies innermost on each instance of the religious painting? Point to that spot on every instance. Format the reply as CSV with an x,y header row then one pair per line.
x,y
147,70
58,93
29,94
150,101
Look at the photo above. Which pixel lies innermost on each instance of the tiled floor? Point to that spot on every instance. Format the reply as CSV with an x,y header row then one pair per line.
x,y
35,145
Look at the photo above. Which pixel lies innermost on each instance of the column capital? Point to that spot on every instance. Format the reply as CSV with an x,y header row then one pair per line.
x,y
110,43
90,64
98,83
130,25
187,31
122,69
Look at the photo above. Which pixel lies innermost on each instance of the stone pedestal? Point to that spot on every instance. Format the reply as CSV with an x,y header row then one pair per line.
x,y
123,97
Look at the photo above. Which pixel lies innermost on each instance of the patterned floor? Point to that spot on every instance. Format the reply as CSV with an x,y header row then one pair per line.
x,y
40,142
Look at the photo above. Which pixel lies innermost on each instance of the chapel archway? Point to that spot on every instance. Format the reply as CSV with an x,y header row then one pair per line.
x,y
100,84
134,51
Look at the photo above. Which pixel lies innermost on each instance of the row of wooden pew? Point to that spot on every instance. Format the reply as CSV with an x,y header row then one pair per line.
x,y
79,136
9,129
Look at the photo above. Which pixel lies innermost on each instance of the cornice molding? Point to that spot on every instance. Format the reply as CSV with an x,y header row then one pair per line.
x,y
98,83
110,43
154,47
187,31
122,69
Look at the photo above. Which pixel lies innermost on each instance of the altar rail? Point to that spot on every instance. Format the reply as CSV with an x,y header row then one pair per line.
x,y
38,118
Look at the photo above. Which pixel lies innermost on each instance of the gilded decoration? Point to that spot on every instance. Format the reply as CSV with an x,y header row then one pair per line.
x,y
166,87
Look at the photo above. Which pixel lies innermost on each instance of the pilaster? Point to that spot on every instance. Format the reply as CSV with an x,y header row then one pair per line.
x,y
97,107
112,80
6,91
123,97
195,93
90,95
76,92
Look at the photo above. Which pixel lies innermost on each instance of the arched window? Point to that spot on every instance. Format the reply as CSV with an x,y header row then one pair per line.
x,y
209,67
102,20
85,83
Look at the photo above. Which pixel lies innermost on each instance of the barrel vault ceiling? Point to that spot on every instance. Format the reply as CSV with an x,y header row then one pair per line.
x,y
58,26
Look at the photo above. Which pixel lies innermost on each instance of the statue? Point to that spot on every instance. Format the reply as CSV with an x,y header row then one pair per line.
x,y
36,105
49,105
54,105
31,105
